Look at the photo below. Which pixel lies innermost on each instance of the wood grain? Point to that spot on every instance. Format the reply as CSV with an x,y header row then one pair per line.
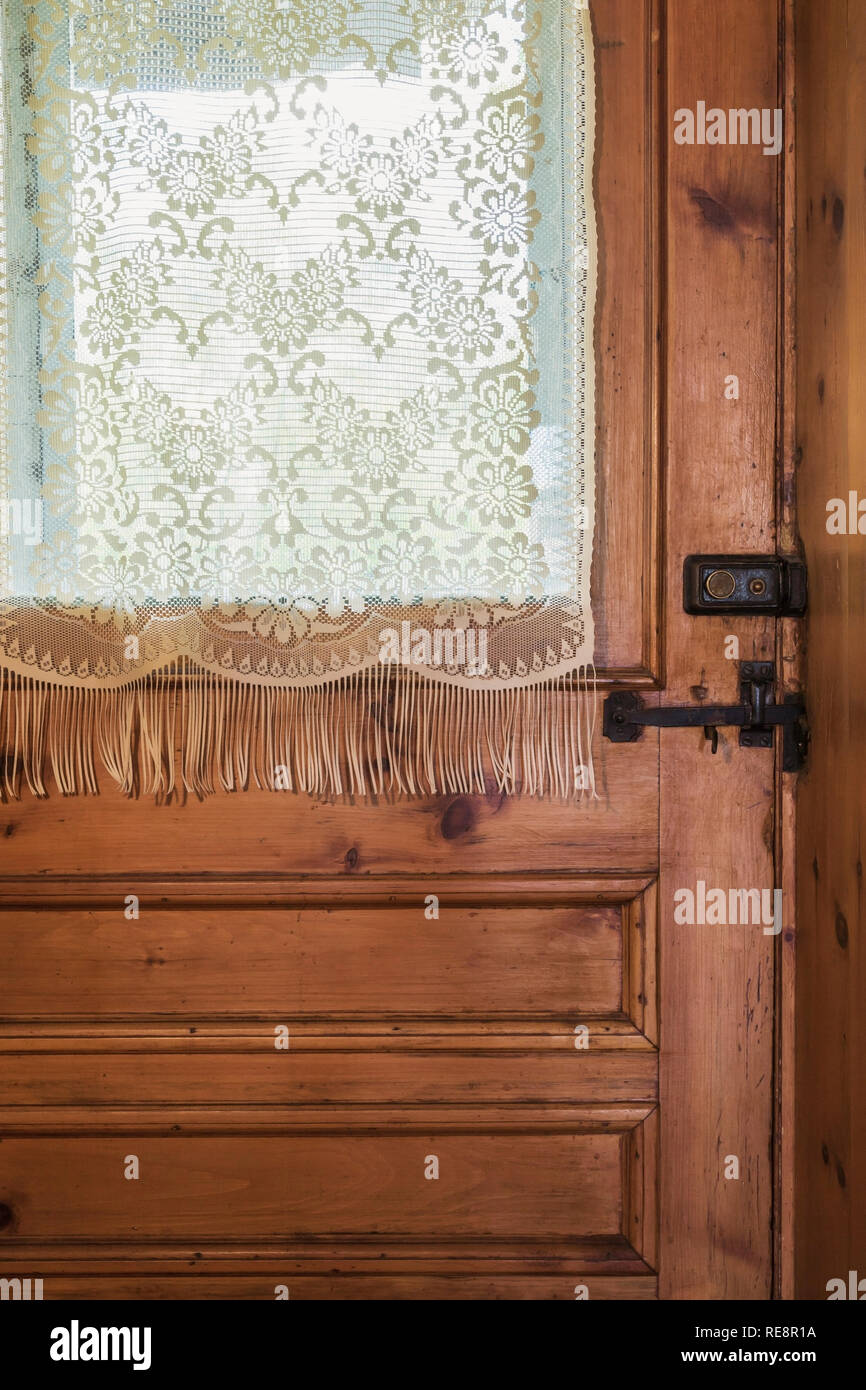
x,y
608,1267
521,1186
333,963
455,1036
627,572
522,1287
261,832
716,1065
301,1077
465,1117
789,657
831,424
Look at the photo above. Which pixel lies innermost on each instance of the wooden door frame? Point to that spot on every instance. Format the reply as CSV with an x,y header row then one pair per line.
x,y
723,1039
822,1199
788,661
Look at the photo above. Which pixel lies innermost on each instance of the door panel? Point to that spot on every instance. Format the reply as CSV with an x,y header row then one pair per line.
x,y
579,1063
279,833
514,1186
555,960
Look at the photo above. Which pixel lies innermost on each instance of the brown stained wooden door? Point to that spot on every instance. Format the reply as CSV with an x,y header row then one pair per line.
x,y
576,1066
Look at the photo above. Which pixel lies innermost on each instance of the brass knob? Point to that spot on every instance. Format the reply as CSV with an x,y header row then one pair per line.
x,y
720,584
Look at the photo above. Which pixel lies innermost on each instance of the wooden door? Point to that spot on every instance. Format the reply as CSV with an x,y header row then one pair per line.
x,y
537,1092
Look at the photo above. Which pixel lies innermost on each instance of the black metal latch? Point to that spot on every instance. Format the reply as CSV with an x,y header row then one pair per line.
x,y
626,716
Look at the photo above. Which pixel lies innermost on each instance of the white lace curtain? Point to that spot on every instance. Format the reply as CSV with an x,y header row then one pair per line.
x,y
297,470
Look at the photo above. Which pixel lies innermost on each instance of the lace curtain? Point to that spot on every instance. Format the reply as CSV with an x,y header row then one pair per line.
x,y
297,394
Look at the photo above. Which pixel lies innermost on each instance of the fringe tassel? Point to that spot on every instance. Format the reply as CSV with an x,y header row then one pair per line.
x,y
369,735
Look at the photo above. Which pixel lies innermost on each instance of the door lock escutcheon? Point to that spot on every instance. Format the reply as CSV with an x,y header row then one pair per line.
x,y
768,584
756,716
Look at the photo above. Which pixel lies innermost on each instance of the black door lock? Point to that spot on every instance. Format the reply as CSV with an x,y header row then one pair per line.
x,y
744,584
757,715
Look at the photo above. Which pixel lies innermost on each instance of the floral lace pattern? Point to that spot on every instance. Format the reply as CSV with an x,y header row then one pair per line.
x,y
301,295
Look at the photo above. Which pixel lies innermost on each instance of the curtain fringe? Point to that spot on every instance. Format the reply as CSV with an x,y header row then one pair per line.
x,y
368,735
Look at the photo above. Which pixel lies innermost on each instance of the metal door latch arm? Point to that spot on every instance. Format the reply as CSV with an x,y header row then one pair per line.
x,y
756,716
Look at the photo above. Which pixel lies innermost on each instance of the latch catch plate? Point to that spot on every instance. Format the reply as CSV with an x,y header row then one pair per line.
x,y
759,584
